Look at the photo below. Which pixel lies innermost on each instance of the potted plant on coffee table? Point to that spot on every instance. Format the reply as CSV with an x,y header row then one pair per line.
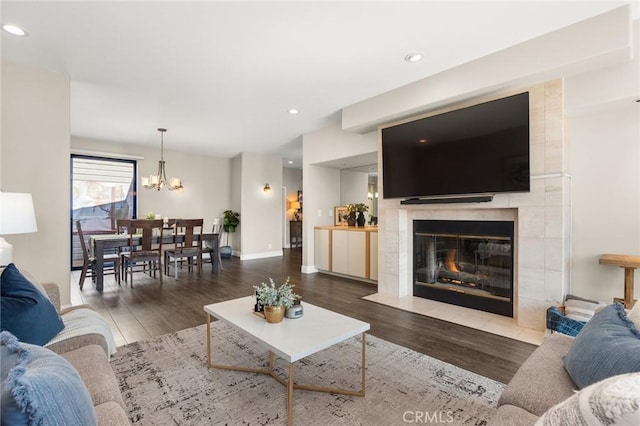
x,y
275,299
230,222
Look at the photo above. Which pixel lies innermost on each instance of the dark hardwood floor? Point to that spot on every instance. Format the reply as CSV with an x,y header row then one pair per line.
x,y
149,309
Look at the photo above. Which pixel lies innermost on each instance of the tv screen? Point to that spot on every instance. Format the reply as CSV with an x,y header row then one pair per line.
x,y
483,148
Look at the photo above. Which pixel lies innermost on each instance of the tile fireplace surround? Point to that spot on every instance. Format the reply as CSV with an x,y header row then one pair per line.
x,y
542,230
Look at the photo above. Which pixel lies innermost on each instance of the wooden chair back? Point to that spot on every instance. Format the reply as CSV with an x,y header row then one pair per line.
x,y
122,226
191,228
217,228
83,243
149,228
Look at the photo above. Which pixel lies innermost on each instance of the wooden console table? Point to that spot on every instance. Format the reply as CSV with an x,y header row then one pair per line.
x,y
629,263
295,233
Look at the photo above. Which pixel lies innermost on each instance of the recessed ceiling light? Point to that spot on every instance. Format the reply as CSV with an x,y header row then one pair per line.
x,y
413,57
422,141
15,30
290,162
293,111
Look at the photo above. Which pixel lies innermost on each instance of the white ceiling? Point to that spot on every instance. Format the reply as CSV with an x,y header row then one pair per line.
x,y
221,76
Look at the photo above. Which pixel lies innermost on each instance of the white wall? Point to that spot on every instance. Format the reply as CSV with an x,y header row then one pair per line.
x,y
34,158
318,207
206,180
261,212
603,132
235,239
354,187
605,164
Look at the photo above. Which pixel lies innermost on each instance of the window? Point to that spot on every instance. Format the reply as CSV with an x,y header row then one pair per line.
x,y
102,191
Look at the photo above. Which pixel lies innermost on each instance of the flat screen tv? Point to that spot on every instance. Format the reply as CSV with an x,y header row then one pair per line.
x,y
481,149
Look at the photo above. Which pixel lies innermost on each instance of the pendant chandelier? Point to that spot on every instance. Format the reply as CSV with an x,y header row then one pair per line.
x,y
159,180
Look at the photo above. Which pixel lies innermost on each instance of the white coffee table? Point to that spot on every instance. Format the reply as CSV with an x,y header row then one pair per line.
x,y
292,339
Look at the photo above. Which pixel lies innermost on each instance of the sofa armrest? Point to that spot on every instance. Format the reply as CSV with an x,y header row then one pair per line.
x,y
541,381
73,308
53,291
77,342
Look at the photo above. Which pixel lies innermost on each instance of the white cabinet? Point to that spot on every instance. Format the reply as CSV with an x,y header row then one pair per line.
x,y
322,249
347,251
340,252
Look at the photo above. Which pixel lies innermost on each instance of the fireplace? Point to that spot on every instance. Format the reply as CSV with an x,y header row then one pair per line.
x,y
465,263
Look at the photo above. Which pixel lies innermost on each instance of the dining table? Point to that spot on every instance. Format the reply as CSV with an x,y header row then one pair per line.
x,y
100,243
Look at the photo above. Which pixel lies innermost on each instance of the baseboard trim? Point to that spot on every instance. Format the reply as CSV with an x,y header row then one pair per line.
x,y
308,269
263,255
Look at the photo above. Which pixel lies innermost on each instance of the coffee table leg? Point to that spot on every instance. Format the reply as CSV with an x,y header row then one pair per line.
x,y
290,397
364,363
208,341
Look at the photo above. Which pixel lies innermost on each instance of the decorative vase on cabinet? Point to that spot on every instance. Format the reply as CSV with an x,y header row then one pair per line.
x,y
351,219
361,219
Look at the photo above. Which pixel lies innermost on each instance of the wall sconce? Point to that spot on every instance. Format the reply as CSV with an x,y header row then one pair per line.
x,y
266,188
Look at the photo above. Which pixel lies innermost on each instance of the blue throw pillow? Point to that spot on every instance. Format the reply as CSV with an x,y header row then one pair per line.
x,y
608,345
557,321
40,387
25,311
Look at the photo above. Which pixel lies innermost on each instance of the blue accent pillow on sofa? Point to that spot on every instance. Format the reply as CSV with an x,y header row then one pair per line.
x,y
608,345
25,311
41,387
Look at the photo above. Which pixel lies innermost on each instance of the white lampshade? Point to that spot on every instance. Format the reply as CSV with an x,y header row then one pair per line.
x,y
17,216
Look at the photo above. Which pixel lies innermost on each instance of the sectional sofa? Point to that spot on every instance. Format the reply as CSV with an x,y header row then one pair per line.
x,y
592,379
66,380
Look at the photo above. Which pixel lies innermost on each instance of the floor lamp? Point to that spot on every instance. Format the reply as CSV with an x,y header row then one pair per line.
x,y
17,216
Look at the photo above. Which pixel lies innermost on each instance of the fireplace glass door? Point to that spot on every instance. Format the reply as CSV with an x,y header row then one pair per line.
x,y
467,263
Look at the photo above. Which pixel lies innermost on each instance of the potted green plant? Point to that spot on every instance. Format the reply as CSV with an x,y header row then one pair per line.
x,y
275,300
230,222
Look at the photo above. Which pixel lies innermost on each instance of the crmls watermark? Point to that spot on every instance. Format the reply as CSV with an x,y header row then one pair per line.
x,y
424,417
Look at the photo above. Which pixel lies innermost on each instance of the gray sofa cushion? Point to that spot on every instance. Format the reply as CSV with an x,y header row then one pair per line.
x,y
541,382
510,415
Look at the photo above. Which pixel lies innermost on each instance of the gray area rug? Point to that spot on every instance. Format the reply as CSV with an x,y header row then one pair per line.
x,y
165,381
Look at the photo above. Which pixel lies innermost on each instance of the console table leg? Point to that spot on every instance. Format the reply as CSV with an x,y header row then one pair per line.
x,y
628,287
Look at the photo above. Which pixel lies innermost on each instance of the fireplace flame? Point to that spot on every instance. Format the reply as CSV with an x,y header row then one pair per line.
x,y
450,261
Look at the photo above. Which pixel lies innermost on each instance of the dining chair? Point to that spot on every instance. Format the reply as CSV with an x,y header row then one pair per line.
x,y
142,248
88,261
190,247
122,227
213,249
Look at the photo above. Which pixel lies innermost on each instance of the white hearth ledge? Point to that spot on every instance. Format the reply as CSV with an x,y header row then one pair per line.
x,y
479,320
